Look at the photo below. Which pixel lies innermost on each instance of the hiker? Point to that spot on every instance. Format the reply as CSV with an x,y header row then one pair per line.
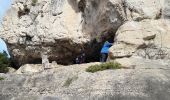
x,y
77,60
104,51
81,58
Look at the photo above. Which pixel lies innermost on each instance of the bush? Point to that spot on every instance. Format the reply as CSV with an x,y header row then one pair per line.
x,y
34,2
4,62
103,66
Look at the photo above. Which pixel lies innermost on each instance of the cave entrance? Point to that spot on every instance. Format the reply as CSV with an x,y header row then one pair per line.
x,y
93,48
93,51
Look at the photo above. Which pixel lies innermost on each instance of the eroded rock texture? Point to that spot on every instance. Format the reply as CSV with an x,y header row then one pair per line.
x,y
146,33
148,39
143,9
50,27
62,27
59,27
149,80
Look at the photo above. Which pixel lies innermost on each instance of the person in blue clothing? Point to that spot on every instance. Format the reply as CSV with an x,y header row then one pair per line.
x,y
104,51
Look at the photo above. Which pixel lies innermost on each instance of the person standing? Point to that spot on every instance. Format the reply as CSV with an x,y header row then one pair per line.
x,y
80,58
104,51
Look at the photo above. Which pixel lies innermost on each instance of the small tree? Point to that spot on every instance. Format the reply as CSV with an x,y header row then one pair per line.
x,y
4,62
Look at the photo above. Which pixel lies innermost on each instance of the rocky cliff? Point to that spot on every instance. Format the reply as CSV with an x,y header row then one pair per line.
x,y
58,27
61,28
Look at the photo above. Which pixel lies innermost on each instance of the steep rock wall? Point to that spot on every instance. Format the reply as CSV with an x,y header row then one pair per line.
x,y
59,28
146,33
148,39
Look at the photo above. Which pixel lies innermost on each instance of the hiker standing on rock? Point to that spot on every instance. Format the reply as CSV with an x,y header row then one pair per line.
x,y
104,51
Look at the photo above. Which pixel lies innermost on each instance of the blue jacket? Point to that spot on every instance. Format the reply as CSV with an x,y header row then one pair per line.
x,y
106,46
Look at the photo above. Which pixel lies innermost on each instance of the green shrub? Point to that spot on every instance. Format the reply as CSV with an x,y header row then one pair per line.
x,y
4,62
103,66
1,78
34,2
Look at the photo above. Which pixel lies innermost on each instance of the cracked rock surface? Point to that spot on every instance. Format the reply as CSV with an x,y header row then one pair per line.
x,y
148,80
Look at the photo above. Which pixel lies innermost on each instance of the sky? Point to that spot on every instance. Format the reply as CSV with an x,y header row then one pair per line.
x,y
2,46
4,5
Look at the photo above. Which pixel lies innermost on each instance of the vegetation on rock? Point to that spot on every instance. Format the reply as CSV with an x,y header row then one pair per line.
x,y
103,66
4,62
34,2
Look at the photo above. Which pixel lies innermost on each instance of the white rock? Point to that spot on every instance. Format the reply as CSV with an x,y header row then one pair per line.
x,y
59,26
146,38
29,69
143,9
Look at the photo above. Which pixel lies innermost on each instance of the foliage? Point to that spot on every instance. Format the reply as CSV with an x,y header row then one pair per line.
x,y
103,66
1,78
34,2
4,62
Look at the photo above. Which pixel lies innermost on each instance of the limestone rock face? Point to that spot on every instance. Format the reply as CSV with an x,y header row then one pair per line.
x,y
49,26
146,32
166,9
101,16
59,28
143,9
148,38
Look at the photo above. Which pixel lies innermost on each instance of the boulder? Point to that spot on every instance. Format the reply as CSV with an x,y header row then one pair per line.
x,y
11,70
143,9
30,69
101,16
148,38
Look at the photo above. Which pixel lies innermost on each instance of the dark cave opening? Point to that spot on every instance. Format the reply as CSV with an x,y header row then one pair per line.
x,y
36,61
93,48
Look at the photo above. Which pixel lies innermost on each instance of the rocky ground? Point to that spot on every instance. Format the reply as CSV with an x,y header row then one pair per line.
x,y
142,80
62,28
